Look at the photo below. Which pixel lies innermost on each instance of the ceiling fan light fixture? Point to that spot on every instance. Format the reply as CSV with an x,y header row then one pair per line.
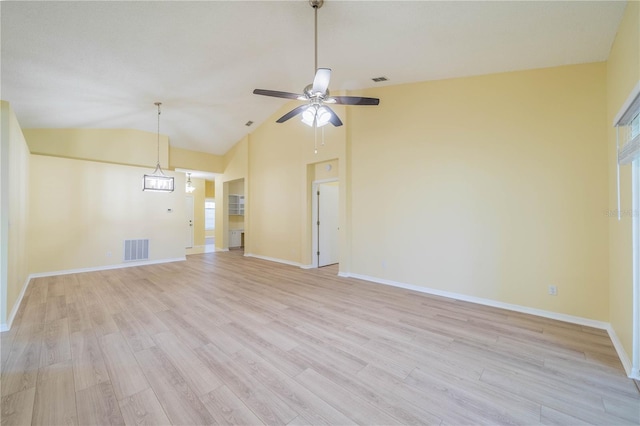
x,y
315,113
309,116
322,116
316,116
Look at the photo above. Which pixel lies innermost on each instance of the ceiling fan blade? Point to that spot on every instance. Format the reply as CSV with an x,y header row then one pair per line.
x,y
277,94
321,80
335,120
355,100
292,113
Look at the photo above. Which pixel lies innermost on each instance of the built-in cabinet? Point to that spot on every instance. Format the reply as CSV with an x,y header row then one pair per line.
x,y
236,204
236,211
235,238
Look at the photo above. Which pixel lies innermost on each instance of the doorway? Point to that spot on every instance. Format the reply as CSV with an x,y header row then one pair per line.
x,y
325,223
235,213
190,218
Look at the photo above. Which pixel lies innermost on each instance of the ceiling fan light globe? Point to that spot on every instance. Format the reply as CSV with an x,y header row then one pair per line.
x,y
307,122
322,116
309,115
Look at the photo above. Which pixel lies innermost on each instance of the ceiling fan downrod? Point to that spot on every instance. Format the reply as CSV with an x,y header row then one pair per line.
x,y
316,111
315,4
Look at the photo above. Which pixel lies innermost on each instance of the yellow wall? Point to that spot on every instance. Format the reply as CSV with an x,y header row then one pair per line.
x,y
236,167
82,211
210,192
198,211
193,160
14,209
119,146
281,169
490,186
326,170
209,189
236,161
623,73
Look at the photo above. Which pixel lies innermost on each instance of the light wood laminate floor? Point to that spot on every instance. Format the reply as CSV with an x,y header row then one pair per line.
x,y
224,339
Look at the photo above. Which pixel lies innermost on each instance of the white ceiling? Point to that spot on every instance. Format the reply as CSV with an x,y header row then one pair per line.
x,y
99,64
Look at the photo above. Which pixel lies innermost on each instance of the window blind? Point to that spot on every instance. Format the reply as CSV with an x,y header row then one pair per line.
x,y
627,124
630,149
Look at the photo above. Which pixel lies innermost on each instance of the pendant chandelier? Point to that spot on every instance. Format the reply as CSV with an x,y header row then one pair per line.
x,y
189,187
158,181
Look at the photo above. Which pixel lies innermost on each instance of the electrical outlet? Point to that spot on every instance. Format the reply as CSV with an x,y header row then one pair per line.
x,y
553,290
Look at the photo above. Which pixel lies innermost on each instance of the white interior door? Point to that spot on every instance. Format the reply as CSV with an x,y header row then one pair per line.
x,y
327,224
189,210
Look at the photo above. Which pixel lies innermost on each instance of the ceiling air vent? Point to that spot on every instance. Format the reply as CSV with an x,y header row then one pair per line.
x,y
380,79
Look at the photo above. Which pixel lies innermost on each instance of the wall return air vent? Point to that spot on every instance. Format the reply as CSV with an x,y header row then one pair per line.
x,y
136,250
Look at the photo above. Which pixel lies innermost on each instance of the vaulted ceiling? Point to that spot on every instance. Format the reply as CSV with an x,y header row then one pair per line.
x,y
102,64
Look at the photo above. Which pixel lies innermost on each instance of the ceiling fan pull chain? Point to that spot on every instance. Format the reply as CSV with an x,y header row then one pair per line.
x,y
315,140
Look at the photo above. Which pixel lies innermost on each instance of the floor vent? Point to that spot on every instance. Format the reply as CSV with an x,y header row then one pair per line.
x,y
136,250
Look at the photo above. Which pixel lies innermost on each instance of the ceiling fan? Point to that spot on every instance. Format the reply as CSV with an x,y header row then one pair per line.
x,y
316,112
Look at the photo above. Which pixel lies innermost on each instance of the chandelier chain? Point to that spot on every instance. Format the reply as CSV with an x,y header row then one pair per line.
x,y
158,134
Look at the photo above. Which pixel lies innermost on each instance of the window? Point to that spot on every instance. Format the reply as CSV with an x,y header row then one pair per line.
x,y
627,124
209,214
635,126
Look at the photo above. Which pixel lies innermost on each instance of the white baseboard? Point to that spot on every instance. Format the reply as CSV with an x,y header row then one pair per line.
x,y
487,302
206,249
7,326
106,267
273,259
310,266
622,354
14,311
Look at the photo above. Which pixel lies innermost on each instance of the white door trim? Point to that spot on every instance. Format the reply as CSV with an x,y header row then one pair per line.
x,y
635,213
190,211
314,218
